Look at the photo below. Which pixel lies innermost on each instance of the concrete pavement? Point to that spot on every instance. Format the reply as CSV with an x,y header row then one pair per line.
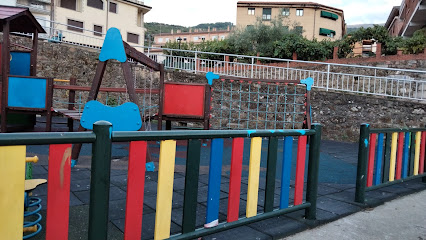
x,y
402,218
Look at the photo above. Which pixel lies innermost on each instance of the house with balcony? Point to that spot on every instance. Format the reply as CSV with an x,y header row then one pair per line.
x,y
404,20
314,20
81,21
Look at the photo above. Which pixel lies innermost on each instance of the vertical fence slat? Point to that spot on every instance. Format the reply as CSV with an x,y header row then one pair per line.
x,y
417,154
12,170
422,154
412,154
253,180
166,170
270,174
379,157
215,174
235,179
300,170
399,157
405,155
393,157
386,159
371,153
191,185
135,190
286,172
58,191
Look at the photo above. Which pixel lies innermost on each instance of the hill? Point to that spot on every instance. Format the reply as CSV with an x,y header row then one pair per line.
x,y
155,28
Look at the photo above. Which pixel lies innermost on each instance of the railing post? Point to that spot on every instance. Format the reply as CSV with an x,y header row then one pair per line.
x,y
100,180
328,75
252,67
313,169
361,179
196,62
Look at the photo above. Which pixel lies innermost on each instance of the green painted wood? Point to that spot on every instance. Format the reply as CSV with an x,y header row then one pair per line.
x,y
270,174
391,130
386,159
100,180
361,171
313,171
11,139
203,134
191,185
395,182
412,154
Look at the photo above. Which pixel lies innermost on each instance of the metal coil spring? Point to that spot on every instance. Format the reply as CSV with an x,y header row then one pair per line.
x,y
31,202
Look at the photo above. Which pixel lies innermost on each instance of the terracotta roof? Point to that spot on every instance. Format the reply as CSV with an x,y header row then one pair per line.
x,y
289,3
21,20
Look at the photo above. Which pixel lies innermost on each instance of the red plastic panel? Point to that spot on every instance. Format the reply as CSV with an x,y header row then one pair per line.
x,y
183,100
371,154
235,179
135,190
58,191
399,156
300,170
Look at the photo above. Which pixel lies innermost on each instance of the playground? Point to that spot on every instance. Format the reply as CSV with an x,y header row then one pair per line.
x,y
251,165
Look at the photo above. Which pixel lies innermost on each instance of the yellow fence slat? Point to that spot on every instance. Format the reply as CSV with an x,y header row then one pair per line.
x,y
393,157
165,189
12,189
253,181
417,154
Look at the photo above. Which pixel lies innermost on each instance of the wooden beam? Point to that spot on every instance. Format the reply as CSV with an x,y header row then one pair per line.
x,y
105,89
5,55
140,57
130,82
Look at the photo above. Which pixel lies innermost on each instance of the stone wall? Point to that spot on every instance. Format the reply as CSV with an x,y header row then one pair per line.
x,y
340,113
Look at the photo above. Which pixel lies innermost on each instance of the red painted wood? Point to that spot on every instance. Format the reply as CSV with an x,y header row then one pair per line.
x,y
235,179
135,190
183,100
58,191
399,155
372,151
422,153
300,170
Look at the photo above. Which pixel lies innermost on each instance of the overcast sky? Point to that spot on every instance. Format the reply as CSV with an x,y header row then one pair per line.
x,y
193,12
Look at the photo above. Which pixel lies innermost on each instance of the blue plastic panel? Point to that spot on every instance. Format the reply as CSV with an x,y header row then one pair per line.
x,y
27,92
20,63
125,117
113,47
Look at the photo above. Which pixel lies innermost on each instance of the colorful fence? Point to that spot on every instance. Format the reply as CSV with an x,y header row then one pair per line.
x,y
59,179
389,156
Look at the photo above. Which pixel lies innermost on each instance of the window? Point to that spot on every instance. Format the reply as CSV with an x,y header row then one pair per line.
x,y
251,11
327,32
286,12
167,39
329,15
266,14
99,4
75,25
195,38
133,38
160,39
69,4
299,12
299,29
112,7
184,39
222,37
97,30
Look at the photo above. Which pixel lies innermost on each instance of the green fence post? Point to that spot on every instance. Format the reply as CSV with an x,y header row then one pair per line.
x,y
100,180
271,170
313,169
361,178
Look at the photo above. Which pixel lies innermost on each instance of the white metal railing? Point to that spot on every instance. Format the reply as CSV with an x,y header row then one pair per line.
x,y
389,82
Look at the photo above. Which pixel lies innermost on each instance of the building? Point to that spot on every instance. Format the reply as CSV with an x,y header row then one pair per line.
x,y
39,8
82,19
193,36
404,20
316,20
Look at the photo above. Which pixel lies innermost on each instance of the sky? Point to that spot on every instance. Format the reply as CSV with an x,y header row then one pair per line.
x,y
192,12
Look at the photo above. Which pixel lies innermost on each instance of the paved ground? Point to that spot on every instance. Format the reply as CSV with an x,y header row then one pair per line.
x,y
335,190
398,219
